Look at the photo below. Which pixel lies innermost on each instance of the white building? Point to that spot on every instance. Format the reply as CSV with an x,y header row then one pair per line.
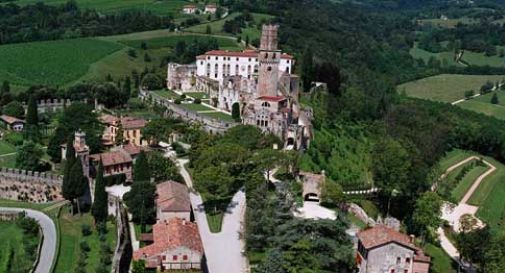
x,y
210,9
189,9
218,64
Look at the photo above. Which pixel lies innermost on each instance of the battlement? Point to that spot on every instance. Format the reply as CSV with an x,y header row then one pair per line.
x,y
31,176
269,37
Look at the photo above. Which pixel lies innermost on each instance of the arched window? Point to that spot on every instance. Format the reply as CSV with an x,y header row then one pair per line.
x,y
269,68
265,104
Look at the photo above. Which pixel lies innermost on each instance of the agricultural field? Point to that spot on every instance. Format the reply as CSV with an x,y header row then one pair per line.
x,y
71,237
482,104
64,62
159,7
446,58
446,87
13,258
53,62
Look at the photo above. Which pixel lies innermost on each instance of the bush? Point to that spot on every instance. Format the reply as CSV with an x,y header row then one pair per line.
x,y
152,82
14,138
183,96
84,246
86,230
177,101
197,101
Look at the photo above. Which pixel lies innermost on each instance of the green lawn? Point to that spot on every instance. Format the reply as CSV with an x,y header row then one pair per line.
x,y
196,107
8,161
446,87
107,6
445,58
197,95
440,261
220,116
6,148
454,157
19,204
13,258
166,94
71,236
459,191
497,111
53,62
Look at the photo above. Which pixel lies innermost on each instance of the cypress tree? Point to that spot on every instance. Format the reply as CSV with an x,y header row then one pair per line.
x,y
99,209
494,99
307,69
141,171
32,120
119,135
69,162
77,181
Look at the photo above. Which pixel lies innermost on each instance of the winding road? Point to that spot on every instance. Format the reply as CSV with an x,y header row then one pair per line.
x,y
48,250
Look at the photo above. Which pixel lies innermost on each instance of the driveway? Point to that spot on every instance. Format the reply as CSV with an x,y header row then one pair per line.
x,y
48,251
224,249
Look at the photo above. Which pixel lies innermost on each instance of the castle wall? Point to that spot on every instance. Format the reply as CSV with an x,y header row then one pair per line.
x,y
30,186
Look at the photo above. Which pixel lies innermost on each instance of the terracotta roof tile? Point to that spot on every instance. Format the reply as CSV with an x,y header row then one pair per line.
x,y
381,234
243,54
172,197
10,119
113,158
133,123
169,235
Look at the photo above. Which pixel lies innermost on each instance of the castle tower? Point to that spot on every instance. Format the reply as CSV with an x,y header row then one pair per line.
x,y
82,151
269,59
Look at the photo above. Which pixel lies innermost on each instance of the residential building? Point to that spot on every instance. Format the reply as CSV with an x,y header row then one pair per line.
x,y
176,244
13,123
172,201
115,163
132,130
382,249
189,9
210,9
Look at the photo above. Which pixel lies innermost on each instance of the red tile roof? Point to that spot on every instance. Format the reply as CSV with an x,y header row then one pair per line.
x,y
244,54
381,235
10,119
134,150
113,158
190,7
272,98
171,234
133,123
172,197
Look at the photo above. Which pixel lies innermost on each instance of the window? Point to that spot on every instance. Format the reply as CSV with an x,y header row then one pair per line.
x,y
269,68
237,59
201,62
406,271
407,260
392,271
185,257
275,56
174,257
217,58
249,59
398,260
164,258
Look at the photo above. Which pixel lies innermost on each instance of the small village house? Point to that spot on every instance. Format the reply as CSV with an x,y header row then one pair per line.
x,y
115,163
382,249
13,123
132,130
176,244
189,9
172,201
210,8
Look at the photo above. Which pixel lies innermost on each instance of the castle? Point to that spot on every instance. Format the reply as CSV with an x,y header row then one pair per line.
x,y
260,83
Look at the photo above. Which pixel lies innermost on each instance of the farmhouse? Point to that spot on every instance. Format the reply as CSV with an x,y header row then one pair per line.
x,y
210,9
189,9
176,245
172,201
12,123
258,82
384,250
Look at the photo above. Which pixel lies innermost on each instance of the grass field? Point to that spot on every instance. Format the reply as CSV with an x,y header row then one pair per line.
x,y
54,62
454,157
163,7
446,87
220,116
459,191
486,108
71,236
12,254
441,262
445,58
196,107
6,148
166,94
197,95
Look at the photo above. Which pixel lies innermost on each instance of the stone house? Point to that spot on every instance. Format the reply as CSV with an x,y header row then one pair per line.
x,y
176,244
12,123
172,201
384,250
132,130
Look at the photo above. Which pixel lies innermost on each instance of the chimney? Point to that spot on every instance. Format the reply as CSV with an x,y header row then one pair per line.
x,y
412,239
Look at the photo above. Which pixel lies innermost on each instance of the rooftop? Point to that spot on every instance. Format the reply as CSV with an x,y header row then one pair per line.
x,y
171,234
172,197
10,119
244,54
272,98
113,158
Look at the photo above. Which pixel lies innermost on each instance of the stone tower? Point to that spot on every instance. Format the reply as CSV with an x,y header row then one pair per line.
x,y
82,151
269,59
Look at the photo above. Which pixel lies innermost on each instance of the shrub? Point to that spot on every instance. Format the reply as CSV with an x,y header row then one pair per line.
x,y
197,101
86,230
84,246
177,101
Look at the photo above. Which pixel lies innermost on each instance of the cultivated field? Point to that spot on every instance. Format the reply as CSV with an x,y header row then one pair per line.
x,y
163,7
482,104
446,58
446,87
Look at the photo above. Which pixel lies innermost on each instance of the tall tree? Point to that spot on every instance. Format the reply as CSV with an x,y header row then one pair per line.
x,y
100,207
32,120
307,69
141,202
69,162
29,156
427,213
141,170
78,182
120,135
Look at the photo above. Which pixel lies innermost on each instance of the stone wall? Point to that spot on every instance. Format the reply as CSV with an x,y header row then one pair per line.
x,y
211,125
28,186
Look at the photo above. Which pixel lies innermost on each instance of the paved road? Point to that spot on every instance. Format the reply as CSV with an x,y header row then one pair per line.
x,y
48,251
224,249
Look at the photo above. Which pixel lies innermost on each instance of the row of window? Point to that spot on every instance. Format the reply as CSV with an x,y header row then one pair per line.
x,y
175,257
